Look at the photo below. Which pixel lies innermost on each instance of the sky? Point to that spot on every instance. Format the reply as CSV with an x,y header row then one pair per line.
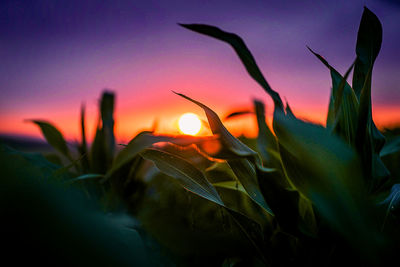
x,y
56,55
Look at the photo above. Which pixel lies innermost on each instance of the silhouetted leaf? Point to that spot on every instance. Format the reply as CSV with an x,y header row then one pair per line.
x,y
266,141
53,137
236,152
369,140
83,146
231,146
237,114
369,40
103,147
343,104
242,51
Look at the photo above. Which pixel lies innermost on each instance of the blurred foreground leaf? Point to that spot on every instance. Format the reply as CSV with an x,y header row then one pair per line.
x,y
46,223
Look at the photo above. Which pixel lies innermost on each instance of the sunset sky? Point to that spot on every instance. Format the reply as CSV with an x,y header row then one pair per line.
x,y
56,55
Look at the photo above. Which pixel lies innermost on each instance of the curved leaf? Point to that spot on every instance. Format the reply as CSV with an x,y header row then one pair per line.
x,y
242,51
369,40
146,139
343,104
327,171
232,144
236,152
193,180
189,176
53,137
237,114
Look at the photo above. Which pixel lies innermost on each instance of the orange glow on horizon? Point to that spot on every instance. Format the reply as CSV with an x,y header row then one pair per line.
x,y
129,124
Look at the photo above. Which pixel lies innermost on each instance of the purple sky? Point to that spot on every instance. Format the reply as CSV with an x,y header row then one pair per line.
x,y
56,54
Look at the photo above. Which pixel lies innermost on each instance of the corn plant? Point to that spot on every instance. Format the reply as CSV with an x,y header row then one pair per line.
x,y
318,186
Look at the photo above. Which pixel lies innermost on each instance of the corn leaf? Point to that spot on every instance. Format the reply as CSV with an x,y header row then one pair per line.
x,y
391,146
194,180
232,147
235,151
392,203
189,176
369,40
266,141
284,201
236,114
325,170
102,152
369,140
53,137
61,220
343,104
245,172
232,185
144,140
242,51
83,146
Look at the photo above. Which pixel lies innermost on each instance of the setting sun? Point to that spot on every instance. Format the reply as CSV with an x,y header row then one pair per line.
x,y
189,123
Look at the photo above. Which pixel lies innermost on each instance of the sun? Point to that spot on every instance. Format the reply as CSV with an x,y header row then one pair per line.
x,y
189,123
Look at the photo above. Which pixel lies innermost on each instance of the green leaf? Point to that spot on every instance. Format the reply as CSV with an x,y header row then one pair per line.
x,y
346,111
234,151
325,170
245,172
369,40
392,203
146,139
83,146
266,140
189,176
232,185
103,147
53,137
42,216
38,164
231,146
369,140
242,51
391,146
343,104
284,201
194,180
84,177
107,119
292,212
98,158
